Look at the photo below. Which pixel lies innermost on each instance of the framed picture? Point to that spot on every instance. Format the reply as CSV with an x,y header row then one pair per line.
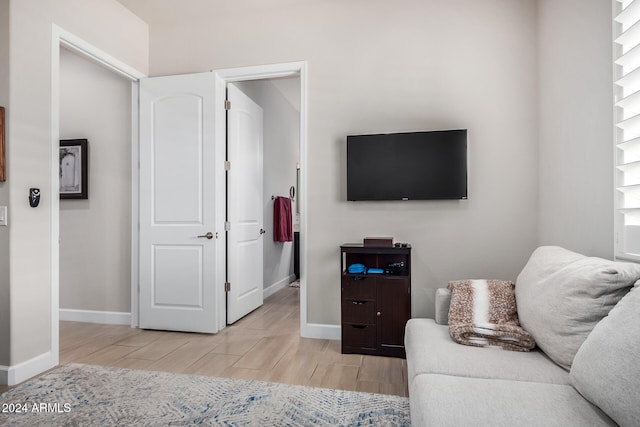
x,y
74,169
3,168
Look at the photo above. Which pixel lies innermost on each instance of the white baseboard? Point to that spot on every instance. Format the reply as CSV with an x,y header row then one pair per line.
x,y
92,316
267,292
321,332
12,375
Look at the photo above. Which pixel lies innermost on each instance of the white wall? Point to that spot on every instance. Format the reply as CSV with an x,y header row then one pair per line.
x,y
95,234
576,125
30,152
5,318
377,66
281,123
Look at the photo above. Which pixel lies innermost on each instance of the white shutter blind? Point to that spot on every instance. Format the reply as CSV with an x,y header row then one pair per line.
x,y
626,59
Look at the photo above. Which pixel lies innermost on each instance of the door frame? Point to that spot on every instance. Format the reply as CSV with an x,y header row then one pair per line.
x,y
61,38
263,72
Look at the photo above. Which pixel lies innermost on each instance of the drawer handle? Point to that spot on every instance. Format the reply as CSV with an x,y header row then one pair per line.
x,y
356,278
359,326
358,302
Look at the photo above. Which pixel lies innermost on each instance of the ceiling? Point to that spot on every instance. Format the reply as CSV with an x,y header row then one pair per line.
x,y
158,11
162,11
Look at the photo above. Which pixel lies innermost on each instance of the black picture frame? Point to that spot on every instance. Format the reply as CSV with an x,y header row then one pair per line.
x,y
74,169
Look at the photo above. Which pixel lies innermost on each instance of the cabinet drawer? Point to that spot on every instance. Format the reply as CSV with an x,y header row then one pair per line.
x,y
358,287
358,311
356,335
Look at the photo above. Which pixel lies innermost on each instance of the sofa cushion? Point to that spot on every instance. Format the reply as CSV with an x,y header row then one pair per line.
x,y
430,350
562,295
444,400
606,369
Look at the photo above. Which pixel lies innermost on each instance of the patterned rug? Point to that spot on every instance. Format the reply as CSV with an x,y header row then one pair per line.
x,y
86,395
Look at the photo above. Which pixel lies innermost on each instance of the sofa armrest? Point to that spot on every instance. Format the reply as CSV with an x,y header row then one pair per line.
x,y
443,299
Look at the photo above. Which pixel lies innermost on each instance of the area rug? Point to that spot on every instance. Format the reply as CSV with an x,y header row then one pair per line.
x,y
86,395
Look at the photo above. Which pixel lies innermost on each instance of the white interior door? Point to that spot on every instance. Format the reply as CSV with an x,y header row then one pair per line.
x,y
178,237
244,204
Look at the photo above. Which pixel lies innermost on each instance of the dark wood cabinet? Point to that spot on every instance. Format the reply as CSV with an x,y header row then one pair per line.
x,y
375,305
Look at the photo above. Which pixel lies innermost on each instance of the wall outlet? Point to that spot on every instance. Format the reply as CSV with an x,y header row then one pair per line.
x,y
3,215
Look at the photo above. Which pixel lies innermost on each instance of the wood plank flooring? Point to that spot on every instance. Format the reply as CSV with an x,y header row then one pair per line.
x,y
265,345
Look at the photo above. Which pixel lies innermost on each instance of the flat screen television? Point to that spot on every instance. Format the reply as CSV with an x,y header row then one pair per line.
x,y
429,165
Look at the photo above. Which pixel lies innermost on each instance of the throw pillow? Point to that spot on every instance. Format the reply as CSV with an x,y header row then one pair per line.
x,y
483,314
562,295
606,369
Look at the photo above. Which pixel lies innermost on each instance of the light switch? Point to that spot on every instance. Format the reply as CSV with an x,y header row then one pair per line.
x,y
3,215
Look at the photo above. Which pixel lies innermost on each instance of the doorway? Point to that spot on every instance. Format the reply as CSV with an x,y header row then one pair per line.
x,y
60,39
275,71
296,70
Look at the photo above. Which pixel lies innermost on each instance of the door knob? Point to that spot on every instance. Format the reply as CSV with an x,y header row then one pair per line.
x,y
209,235
262,231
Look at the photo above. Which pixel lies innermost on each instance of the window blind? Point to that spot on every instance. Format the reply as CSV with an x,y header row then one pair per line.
x,y
626,60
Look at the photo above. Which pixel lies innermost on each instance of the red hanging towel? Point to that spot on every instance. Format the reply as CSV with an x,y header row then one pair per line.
x,y
282,223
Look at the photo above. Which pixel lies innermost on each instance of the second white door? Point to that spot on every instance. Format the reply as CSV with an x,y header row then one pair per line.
x,y
244,205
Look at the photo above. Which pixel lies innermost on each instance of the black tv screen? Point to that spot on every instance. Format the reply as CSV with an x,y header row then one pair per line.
x,y
428,165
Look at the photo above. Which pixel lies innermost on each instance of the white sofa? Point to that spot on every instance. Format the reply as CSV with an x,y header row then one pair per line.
x,y
585,370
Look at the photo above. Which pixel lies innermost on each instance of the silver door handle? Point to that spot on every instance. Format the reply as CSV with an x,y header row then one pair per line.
x,y
209,235
262,231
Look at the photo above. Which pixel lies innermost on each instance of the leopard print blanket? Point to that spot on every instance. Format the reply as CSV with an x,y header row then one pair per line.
x,y
483,314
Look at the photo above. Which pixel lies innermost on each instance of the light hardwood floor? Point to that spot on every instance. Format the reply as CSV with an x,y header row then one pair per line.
x,y
265,345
